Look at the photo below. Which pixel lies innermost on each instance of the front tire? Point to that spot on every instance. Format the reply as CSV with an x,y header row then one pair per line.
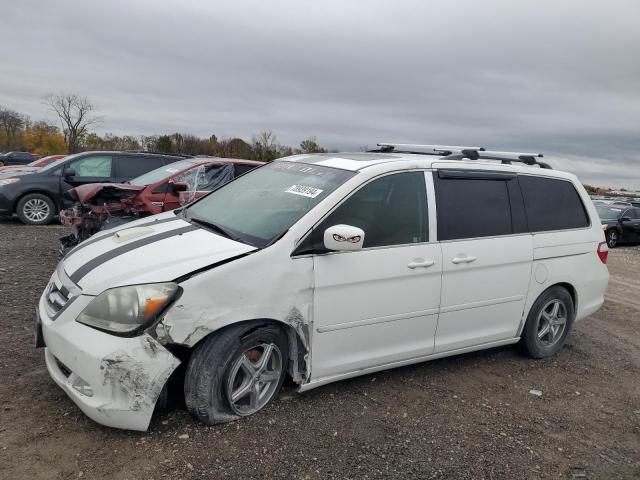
x,y
548,323
35,209
612,238
236,372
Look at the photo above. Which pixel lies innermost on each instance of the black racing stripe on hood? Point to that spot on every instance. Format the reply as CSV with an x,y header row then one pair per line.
x,y
94,239
116,252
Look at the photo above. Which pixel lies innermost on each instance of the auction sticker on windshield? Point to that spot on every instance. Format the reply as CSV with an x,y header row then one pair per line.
x,y
304,190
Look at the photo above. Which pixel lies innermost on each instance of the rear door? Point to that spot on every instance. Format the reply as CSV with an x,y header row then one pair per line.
x,y
486,255
132,166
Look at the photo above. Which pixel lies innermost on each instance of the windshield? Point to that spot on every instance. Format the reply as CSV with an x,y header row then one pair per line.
x,y
57,163
604,211
261,205
160,173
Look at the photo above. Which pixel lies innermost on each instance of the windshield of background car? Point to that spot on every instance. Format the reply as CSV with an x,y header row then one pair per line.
x,y
159,173
608,212
261,205
52,166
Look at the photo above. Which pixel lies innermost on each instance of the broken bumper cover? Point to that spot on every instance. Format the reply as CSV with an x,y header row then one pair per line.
x,y
115,381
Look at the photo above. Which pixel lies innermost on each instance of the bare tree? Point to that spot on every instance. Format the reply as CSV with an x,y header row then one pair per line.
x,y
76,115
265,146
11,122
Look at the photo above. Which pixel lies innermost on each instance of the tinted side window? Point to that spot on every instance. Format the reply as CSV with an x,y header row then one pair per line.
x,y
239,169
472,207
98,166
134,166
632,213
552,204
391,210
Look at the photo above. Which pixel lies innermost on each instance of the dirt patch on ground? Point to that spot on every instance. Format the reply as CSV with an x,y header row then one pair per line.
x,y
470,416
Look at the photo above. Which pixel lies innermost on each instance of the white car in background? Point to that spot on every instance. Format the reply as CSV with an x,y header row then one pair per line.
x,y
322,267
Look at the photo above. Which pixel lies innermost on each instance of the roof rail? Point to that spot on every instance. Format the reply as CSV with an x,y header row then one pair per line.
x,y
430,149
459,153
505,157
181,155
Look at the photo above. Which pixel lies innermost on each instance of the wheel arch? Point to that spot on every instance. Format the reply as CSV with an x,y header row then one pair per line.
x,y
298,368
569,287
14,207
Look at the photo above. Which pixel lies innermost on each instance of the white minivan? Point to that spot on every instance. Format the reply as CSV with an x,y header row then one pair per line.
x,y
322,267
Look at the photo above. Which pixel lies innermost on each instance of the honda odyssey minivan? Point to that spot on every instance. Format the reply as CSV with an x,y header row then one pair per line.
x,y
322,267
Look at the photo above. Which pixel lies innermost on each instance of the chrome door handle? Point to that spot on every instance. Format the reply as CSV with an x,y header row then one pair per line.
x,y
463,259
420,263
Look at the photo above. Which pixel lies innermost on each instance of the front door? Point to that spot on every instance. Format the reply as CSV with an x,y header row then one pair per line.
x,y
89,169
378,305
631,225
486,255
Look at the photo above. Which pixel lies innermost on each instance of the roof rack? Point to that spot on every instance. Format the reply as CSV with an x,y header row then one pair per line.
x,y
459,153
181,155
439,150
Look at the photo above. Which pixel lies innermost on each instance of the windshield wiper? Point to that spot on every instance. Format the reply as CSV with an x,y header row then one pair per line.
x,y
215,227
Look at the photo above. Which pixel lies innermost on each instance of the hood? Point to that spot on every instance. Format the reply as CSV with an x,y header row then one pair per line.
x,y
18,172
84,193
18,168
154,249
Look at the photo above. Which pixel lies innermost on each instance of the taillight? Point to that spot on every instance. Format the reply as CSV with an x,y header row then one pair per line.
x,y
603,251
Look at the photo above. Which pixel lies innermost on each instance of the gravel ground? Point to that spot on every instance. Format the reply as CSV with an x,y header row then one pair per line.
x,y
470,416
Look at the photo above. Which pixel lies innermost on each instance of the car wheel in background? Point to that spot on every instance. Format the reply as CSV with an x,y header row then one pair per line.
x,y
35,209
612,238
236,372
548,323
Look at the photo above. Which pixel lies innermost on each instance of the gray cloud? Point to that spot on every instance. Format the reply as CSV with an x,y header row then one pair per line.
x,y
557,77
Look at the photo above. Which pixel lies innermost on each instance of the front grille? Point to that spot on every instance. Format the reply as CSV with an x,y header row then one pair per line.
x,y
60,292
57,297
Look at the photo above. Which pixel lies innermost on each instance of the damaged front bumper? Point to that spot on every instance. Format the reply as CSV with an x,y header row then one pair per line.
x,y
115,381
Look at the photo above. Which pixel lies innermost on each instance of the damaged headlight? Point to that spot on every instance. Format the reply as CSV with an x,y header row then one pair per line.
x,y
123,310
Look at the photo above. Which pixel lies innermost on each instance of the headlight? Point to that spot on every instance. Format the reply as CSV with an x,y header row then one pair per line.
x,y
124,310
9,181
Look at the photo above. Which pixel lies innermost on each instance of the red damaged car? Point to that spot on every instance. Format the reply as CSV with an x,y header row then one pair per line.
x,y
104,205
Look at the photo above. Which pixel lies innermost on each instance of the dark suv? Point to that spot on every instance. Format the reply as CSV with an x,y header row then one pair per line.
x,y
37,197
15,158
620,224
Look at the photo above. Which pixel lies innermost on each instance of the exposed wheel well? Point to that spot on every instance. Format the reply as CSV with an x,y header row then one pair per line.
x,y
297,351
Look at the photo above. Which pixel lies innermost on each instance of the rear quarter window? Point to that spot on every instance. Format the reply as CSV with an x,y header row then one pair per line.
x,y
552,204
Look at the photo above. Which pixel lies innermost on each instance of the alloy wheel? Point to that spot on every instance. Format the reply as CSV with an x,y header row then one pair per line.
x,y
552,323
36,210
612,239
254,378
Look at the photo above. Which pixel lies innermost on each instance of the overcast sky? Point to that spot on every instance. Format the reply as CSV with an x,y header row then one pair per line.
x,y
559,77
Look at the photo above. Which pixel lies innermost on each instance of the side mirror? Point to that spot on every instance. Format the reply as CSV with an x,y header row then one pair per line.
x,y
178,186
343,238
69,172
625,219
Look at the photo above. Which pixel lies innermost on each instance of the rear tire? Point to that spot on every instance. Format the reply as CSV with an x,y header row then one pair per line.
x,y
548,323
35,209
236,372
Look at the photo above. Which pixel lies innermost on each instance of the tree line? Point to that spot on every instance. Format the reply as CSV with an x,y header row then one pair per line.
x,y
77,117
